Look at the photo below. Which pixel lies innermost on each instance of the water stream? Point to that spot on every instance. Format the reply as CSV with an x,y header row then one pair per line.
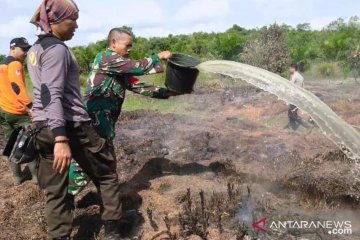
x,y
333,127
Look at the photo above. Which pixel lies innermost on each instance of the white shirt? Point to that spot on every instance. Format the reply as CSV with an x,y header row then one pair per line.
x,y
297,79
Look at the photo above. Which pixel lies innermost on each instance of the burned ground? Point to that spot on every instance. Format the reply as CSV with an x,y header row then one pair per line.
x,y
212,170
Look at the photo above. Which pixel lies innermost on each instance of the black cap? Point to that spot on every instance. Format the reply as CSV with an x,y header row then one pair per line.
x,y
20,42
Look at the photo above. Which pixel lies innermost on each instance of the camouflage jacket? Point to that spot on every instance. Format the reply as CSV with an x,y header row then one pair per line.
x,y
110,76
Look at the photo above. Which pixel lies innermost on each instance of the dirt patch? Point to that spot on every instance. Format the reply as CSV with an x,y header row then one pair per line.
x,y
328,177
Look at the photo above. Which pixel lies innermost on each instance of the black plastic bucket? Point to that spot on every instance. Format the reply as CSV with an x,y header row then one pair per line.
x,y
181,73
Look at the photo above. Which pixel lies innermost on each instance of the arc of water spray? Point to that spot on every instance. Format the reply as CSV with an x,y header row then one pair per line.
x,y
333,127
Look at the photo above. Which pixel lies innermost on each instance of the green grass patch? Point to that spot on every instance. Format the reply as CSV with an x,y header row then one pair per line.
x,y
155,79
173,104
178,105
324,70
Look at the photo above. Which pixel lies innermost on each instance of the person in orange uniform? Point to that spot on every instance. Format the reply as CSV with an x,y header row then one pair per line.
x,y
15,103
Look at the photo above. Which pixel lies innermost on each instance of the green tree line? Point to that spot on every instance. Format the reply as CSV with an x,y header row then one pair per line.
x,y
272,47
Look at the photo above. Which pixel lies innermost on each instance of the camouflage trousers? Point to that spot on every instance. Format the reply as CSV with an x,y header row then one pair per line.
x,y
78,179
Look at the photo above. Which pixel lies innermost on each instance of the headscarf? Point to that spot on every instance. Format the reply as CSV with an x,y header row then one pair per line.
x,y
53,11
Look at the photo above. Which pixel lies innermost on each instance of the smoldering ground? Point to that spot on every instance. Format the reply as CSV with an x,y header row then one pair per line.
x,y
189,170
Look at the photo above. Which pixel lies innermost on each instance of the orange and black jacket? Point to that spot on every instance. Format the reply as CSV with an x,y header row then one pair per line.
x,y
13,96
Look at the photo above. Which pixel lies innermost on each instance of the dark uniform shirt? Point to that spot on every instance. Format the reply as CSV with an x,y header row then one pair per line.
x,y
54,73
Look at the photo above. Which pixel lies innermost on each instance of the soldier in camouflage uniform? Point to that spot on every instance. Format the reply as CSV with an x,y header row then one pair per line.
x,y
112,74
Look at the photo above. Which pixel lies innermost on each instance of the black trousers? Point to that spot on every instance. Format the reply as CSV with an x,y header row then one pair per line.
x,y
293,113
96,158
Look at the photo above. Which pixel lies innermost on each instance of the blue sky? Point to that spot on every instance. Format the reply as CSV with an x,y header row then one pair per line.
x,y
162,17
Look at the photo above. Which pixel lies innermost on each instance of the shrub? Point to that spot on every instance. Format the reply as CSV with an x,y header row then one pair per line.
x,y
324,70
268,52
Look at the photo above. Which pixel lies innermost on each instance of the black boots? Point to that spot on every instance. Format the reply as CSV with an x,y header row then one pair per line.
x,y
112,231
33,170
18,175
62,238
16,171
124,226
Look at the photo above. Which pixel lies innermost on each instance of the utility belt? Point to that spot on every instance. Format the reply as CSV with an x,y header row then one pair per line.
x,y
69,124
21,147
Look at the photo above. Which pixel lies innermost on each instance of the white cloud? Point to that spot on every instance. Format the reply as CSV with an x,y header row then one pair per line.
x,y
12,4
95,36
320,23
96,16
272,2
153,32
19,26
162,17
149,18
289,11
164,31
200,10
